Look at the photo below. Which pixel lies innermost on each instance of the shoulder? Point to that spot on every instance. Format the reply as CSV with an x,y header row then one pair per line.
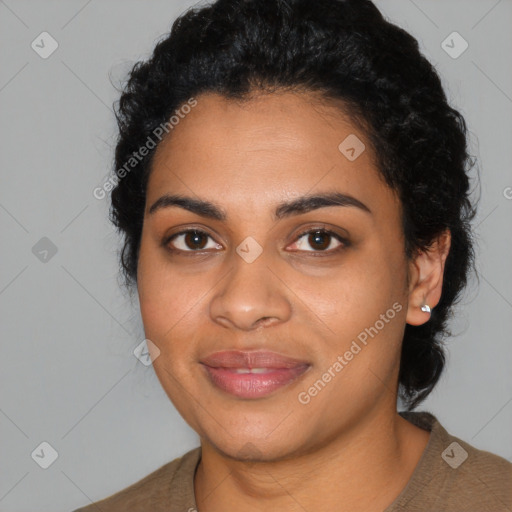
x,y
478,475
156,489
455,476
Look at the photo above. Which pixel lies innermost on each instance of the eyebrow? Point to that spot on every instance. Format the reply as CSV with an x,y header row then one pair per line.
x,y
297,206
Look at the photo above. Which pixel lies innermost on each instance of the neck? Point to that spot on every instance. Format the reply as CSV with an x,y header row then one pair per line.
x,y
362,469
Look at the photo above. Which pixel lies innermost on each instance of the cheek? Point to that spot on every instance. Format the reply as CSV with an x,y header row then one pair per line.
x,y
167,307
355,294
157,293
170,303
362,304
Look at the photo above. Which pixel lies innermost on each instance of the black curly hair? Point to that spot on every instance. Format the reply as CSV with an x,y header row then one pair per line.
x,y
346,52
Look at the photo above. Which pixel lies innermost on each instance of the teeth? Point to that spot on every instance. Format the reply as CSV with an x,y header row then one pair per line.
x,y
251,370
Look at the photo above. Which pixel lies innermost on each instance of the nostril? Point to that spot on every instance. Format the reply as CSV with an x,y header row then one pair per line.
x,y
263,321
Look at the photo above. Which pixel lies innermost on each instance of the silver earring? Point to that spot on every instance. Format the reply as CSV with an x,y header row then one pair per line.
x,y
425,308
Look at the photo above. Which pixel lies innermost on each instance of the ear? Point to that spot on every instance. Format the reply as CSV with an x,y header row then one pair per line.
x,y
426,279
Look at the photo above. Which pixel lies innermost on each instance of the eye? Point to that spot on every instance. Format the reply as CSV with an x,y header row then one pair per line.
x,y
321,240
190,240
195,240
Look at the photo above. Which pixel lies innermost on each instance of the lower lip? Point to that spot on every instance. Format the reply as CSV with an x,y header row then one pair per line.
x,y
253,385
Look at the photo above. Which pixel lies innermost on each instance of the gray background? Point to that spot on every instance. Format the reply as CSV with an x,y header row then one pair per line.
x,y
68,373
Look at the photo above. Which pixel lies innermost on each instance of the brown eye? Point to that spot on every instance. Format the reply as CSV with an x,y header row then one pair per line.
x,y
319,240
191,240
195,240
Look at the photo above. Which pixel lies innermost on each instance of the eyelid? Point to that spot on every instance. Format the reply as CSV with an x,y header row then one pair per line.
x,y
168,239
343,240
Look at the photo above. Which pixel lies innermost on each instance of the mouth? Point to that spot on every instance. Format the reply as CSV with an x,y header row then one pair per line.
x,y
252,374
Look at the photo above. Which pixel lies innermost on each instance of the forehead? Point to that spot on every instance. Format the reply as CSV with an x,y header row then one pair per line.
x,y
278,145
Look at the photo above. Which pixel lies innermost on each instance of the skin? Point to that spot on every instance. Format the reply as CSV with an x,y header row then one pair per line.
x,y
347,449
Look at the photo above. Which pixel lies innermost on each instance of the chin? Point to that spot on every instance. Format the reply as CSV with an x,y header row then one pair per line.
x,y
255,448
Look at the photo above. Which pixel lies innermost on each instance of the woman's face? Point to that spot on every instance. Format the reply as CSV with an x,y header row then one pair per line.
x,y
250,280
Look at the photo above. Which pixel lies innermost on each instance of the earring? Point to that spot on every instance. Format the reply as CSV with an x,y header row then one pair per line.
x,y
425,308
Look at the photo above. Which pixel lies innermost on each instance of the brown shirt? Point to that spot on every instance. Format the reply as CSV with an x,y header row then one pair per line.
x,y
451,476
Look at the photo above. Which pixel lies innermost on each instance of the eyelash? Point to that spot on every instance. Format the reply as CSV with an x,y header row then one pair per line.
x,y
315,253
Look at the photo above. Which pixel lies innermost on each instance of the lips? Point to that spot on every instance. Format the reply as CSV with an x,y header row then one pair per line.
x,y
253,359
252,374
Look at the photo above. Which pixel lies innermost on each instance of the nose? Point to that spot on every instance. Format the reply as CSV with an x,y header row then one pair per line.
x,y
250,297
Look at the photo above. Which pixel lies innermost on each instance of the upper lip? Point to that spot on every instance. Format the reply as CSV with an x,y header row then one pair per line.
x,y
251,359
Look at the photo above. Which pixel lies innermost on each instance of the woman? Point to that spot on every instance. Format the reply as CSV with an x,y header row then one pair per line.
x,y
293,192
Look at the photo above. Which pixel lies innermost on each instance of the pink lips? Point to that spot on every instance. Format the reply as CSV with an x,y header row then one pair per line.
x,y
252,374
